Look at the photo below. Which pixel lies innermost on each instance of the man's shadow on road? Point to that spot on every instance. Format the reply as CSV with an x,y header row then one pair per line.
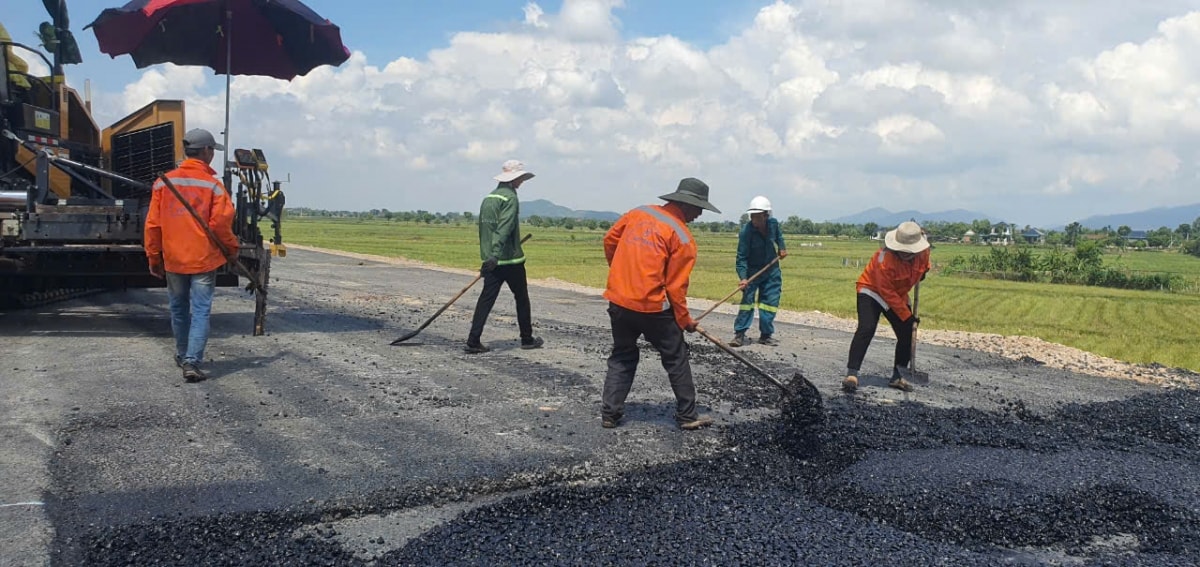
x,y
230,367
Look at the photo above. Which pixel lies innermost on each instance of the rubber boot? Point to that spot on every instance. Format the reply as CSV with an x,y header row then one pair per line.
x,y
739,340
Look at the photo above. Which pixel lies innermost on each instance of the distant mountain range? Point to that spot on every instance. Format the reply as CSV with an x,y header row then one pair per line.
x,y
544,208
881,217
884,217
1170,217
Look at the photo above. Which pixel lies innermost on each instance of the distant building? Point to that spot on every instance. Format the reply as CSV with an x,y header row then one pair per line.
x,y
1000,235
968,236
1137,235
1034,236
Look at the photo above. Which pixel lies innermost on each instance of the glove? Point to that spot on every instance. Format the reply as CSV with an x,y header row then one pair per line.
x,y
914,320
691,326
489,265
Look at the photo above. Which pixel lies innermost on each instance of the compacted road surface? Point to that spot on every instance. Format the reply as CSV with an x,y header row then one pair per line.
x,y
320,444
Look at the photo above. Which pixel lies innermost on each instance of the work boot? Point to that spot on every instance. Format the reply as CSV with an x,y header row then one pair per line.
x,y
178,361
532,343
192,372
900,378
850,384
739,339
696,423
476,348
609,422
768,340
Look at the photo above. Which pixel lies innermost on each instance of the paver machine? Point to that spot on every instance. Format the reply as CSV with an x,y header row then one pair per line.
x,y
73,196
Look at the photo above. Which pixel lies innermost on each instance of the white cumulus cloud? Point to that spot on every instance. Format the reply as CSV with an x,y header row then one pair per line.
x,y
1030,111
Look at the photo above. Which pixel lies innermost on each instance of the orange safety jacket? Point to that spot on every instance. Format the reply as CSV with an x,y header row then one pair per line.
x,y
650,256
174,235
889,278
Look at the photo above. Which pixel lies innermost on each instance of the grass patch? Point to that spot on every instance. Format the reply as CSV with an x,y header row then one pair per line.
x,y
819,274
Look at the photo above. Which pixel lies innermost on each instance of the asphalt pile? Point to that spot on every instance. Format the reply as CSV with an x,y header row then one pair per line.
x,y
838,481
900,485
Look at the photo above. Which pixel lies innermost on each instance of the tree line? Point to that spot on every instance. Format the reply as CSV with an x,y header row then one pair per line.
x,y
1083,266
1071,235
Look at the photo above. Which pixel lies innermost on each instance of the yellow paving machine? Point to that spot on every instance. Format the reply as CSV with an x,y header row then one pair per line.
x,y
74,196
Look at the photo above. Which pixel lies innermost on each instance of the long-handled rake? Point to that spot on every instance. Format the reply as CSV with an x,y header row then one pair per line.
x,y
414,333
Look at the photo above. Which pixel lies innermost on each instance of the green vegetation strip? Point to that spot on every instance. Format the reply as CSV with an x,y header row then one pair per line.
x,y
1135,326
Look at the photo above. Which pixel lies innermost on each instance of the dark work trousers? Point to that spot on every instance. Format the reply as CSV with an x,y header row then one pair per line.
x,y
868,319
514,276
661,331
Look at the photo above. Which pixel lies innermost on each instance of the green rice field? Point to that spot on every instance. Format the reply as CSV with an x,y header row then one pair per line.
x,y
819,274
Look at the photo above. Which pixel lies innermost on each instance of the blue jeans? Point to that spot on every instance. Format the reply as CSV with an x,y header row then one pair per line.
x,y
191,297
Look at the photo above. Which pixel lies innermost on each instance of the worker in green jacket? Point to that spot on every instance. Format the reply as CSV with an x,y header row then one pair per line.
x,y
503,259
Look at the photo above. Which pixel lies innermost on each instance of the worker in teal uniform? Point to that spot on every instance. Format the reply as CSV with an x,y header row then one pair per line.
x,y
759,242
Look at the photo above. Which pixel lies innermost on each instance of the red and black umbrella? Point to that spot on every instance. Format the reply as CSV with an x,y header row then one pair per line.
x,y
272,38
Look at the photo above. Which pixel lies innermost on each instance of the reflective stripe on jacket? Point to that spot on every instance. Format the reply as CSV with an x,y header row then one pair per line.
x,y
650,256
756,250
499,227
890,278
172,232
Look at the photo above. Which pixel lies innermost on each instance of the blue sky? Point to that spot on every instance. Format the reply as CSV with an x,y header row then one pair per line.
x,y
1029,111
387,29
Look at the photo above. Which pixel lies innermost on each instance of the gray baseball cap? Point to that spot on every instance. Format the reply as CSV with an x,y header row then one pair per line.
x,y
201,138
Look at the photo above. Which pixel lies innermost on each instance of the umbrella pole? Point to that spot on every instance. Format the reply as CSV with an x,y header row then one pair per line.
x,y
228,67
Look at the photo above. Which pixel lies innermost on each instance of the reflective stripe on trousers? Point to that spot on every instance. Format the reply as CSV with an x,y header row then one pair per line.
x,y
767,290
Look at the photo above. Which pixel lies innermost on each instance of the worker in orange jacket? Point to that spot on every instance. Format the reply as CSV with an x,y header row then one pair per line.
x,y
180,250
883,289
650,254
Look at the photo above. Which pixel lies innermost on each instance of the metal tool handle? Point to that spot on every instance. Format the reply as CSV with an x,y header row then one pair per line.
x,y
918,376
739,288
787,391
237,264
478,277
912,355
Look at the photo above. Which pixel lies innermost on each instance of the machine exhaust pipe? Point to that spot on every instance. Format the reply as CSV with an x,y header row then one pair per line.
x,y
13,200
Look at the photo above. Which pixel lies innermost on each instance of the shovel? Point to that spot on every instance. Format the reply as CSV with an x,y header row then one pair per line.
x,y
447,305
917,376
737,289
786,391
802,408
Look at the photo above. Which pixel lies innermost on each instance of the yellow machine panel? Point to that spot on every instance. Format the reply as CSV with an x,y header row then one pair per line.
x,y
154,114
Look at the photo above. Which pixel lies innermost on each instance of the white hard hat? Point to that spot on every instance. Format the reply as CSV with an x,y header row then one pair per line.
x,y
759,204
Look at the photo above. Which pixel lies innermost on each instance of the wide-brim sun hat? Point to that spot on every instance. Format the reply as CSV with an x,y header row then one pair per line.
x,y
693,192
511,170
908,237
